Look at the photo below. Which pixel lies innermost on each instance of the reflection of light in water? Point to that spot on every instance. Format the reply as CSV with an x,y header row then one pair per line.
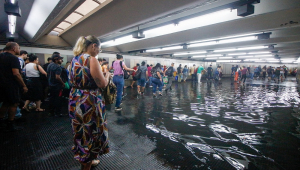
x,y
225,117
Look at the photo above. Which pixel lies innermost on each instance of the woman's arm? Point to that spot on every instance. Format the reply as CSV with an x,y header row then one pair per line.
x,y
128,69
97,74
42,70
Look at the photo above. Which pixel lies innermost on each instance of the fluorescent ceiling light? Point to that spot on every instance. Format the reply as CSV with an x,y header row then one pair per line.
x,y
202,44
199,52
172,48
262,52
107,42
228,61
214,55
256,59
211,58
124,40
153,50
225,57
247,56
233,40
166,29
12,1
199,56
263,55
39,12
253,48
225,50
12,23
237,54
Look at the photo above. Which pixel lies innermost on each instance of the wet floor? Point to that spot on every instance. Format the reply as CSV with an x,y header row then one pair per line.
x,y
220,125
214,125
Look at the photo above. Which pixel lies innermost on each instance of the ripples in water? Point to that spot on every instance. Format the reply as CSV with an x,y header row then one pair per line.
x,y
220,126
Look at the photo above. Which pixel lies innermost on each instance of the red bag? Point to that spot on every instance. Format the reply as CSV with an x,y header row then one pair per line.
x,y
196,70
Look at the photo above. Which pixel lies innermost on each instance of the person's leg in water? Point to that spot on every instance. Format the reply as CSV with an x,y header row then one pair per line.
x,y
154,84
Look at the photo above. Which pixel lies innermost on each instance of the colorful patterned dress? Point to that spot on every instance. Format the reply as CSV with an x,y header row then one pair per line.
x,y
87,113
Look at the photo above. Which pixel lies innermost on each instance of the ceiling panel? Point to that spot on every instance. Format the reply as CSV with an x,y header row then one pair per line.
x,y
73,17
87,7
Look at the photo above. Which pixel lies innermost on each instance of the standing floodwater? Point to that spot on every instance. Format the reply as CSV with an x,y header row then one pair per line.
x,y
221,125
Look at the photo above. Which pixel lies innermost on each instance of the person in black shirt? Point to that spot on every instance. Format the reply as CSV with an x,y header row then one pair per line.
x,y
44,79
209,72
55,85
179,73
11,81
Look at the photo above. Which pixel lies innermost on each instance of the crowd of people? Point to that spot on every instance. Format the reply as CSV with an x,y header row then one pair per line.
x,y
26,83
82,81
277,74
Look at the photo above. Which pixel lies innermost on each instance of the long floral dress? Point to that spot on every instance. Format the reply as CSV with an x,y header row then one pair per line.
x,y
87,113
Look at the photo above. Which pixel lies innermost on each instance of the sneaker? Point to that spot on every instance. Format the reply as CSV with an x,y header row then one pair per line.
x,y
142,93
160,94
154,95
118,108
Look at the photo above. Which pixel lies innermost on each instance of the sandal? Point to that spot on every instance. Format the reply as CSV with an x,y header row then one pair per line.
x,y
95,162
26,108
39,110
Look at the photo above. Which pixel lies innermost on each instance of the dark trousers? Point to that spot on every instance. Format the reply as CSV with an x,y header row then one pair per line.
x,y
54,100
209,75
194,77
243,77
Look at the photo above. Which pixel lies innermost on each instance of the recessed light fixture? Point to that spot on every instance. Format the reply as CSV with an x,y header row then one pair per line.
x,y
228,61
191,53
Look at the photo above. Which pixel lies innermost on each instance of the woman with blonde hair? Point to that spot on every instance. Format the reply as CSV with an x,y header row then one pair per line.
x,y
86,108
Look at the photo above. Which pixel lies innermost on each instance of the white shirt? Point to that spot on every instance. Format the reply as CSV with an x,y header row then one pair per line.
x,y
30,71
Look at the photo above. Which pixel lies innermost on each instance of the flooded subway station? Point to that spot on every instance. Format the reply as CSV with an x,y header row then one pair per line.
x,y
212,125
58,57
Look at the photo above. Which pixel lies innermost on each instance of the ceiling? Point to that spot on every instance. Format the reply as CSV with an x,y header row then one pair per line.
x,y
115,19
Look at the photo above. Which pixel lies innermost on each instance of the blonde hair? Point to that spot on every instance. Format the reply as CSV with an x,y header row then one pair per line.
x,y
83,43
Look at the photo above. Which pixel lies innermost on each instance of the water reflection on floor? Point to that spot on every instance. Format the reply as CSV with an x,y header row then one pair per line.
x,y
220,125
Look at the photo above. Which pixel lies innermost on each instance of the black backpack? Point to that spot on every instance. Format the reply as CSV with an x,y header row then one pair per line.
x,y
154,73
64,75
126,73
169,72
138,74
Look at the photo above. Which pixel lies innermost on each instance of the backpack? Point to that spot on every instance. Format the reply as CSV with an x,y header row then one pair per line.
x,y
169,72
196,70
126,73
109,92
154,73
64,75
138,74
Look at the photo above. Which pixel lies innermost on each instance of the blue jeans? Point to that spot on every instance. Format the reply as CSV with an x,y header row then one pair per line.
x,y
141,82
119,82
150,81
156,82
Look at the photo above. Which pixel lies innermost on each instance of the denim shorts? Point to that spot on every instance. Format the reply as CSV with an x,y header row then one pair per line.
x,y
141,82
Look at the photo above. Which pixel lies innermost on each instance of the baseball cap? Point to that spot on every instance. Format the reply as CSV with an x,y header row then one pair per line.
x,y
56,57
